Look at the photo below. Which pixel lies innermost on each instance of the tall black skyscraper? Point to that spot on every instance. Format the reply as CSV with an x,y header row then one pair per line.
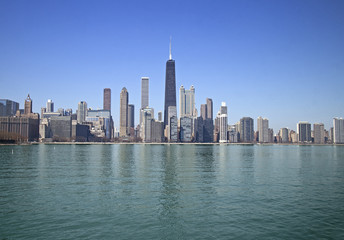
x,y
170,87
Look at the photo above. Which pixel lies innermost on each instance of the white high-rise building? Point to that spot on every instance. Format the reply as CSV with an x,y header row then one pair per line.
x,y
338,130
319,133
187,102
146,127
284,134
263,129
223,123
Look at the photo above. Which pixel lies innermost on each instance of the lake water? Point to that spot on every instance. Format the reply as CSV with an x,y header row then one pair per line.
x,y
171,192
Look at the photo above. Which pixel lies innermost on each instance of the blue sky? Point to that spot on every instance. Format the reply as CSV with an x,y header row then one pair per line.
x,y
283,60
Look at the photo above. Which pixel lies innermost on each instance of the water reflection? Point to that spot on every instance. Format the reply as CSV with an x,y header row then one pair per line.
x,y
126,160
171,223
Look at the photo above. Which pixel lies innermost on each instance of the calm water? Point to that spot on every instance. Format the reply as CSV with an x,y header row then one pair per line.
x,y
171,192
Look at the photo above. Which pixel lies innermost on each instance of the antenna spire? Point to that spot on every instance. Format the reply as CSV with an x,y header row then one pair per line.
x,y
170,48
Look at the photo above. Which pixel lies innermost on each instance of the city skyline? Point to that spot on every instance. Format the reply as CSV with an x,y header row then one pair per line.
x,y
283,61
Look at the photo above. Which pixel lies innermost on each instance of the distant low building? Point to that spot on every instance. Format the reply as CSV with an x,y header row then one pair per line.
x,y
19,128
101,124
61,128
22,127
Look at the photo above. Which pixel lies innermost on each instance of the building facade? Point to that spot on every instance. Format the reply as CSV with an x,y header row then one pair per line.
x,y
101,125
123,121
284,133
209,108
82,112
131,116
146,126
8,108
107,99
338,130
304,132
61,128
144,92
19,129
50,106
263,130
187,102
223,124
172,130
246,130
185,129
319,133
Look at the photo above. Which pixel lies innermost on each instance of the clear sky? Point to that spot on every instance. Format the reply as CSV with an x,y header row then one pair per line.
x,y
279,59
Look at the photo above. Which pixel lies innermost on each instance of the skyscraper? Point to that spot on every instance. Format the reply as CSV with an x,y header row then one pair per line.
x,y
170,87
284,133
208,124
338,130
28,105
82,112
146,125
124,99
210,108
131,115
263,130
144,92
223,123
304,132
204,111
107,99
186,102
246,129
144,96
319,133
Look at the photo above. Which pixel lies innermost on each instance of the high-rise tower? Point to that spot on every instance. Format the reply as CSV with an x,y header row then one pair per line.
x,y
210,108
246,129
131,115
124,99
263,129
107,99
338,130
187,102
170,87
144,92
82,112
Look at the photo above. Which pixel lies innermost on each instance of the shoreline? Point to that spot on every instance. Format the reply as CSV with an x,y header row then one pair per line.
x,y
166,143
